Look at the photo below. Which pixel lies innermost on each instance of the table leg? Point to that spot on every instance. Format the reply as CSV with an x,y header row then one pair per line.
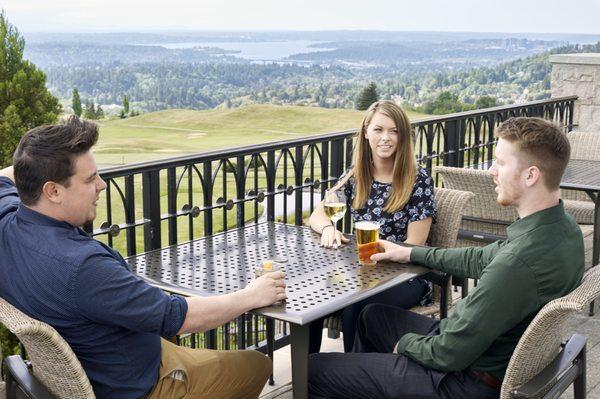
x,y
270,344
299,337
596,243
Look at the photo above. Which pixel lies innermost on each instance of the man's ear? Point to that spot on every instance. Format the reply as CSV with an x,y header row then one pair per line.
x,y
533,176
52,192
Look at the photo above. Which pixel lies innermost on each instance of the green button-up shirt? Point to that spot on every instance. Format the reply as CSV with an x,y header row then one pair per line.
x,y
541,260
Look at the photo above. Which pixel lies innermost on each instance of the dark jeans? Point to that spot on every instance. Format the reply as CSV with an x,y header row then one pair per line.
x,y
405,295
372,371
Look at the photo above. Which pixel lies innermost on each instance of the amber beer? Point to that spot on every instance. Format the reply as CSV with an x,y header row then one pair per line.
x,y
367,234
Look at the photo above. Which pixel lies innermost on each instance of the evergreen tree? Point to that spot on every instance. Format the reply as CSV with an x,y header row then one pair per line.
x,y
76,102
126,105
90,110
99,112
25,102
367,97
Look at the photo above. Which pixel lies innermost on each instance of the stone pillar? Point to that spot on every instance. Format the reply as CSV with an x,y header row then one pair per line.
x,y
579,75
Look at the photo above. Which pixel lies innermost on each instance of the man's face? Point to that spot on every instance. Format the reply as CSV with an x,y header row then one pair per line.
x,y
80,199
508,173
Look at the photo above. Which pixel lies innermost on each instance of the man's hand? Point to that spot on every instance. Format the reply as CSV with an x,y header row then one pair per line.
x,y
266,290
8,172
332,238
392,252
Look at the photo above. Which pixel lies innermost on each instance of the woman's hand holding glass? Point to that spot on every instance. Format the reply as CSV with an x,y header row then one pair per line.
x,y
334,204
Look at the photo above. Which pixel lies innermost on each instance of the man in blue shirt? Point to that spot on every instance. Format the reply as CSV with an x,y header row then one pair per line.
x,y
54,272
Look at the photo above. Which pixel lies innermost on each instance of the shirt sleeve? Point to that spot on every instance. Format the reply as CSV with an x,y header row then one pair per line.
x,y
489,311
461,262
421,204
107,293
9,197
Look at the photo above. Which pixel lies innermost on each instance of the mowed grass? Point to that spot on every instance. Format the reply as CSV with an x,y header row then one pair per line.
x,y
171,133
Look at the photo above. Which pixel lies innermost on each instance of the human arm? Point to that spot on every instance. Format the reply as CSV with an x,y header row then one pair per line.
x,y
460,262
321,224
205,313
418,231
506,296
104,291
8,172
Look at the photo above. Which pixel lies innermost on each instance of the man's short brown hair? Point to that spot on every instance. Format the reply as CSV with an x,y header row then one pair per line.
x,y
542,142
47,153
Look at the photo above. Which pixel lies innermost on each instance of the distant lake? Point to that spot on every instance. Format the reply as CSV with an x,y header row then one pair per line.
x,y
255,51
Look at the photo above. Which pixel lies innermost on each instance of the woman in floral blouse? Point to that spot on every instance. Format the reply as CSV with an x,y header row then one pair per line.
x,y
388,187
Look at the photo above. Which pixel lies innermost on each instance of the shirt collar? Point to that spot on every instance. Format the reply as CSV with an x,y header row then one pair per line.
x,y
529,223
29,215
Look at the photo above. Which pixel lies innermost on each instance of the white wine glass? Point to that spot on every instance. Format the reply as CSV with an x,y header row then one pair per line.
x,y
335,206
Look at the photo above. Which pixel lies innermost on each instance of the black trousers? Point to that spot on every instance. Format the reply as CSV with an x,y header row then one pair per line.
x,y
373,371
405,295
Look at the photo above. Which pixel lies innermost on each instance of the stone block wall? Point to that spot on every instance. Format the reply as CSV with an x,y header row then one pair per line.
x,y
579,75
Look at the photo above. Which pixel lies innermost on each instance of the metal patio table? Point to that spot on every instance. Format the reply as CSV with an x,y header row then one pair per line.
x,y
319,281
584,175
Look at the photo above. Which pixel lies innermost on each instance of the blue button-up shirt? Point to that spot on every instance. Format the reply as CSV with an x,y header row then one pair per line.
x,y
56,273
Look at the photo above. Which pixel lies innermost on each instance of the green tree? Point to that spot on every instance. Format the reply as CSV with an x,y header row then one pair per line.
x,y
99,112
90,110
76,102
367,97
126,105
25,101
486,102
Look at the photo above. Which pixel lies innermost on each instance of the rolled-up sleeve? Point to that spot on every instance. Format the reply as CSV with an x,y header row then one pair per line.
x,y
105,292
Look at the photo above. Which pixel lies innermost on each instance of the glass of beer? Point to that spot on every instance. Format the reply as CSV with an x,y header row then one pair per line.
x,y
367,235
335,205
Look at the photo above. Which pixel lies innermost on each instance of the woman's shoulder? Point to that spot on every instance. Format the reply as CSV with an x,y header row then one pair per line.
x,y
423,176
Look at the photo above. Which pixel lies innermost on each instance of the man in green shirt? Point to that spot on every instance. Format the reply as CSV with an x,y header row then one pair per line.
x,y
399,354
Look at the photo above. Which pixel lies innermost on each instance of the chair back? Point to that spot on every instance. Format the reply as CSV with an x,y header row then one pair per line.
x,y
584,145
54,363
542,340
450,207
483,205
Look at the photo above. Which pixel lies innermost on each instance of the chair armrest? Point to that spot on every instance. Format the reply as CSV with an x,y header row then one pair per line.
x,y
479,236
20,378
555,371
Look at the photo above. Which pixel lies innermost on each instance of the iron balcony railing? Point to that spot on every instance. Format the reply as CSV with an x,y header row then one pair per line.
x,y
150,205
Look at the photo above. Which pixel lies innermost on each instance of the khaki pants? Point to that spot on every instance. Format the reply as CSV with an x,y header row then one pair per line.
x,y
204,373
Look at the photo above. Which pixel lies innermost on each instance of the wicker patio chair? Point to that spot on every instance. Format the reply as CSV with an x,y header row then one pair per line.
x,y
584,145
484,220
444,232
540,364
53,363
2,385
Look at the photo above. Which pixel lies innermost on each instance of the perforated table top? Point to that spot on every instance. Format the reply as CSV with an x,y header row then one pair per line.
x,y
319,281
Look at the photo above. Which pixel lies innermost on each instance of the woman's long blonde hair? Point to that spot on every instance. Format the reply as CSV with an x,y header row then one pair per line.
x,y
405,165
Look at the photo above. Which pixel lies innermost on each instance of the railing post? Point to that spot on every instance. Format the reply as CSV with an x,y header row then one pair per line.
x,y
271,185
298,183
240,187
151,198
336,167
207,192
172,205
451,144
130,214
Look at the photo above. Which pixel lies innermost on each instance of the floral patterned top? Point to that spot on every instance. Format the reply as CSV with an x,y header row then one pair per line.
x,y
394,226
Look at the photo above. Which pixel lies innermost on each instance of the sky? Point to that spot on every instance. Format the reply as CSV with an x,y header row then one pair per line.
x,y
536,16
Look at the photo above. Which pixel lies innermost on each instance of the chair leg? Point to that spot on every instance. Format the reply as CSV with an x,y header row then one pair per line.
x,y
444,296
579,385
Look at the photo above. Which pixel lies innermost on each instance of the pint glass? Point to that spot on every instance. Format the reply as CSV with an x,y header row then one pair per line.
x,y
367,234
